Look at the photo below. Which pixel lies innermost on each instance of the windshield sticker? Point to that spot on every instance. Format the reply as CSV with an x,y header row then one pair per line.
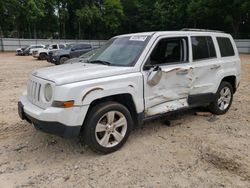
x,y
138,38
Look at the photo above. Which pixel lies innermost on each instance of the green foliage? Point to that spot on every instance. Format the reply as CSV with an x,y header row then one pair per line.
x,y
104,18
112,15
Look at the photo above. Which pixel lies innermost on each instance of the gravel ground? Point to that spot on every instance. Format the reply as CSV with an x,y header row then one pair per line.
x,y
193,151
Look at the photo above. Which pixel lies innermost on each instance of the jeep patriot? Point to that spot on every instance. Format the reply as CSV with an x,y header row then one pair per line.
x,y
132,78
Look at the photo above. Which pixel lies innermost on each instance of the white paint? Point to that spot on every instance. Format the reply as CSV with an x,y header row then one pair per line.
x,y
80,82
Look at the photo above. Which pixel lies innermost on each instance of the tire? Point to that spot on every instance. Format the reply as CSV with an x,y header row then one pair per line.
x,y
62,60
42,56
223,99
106,140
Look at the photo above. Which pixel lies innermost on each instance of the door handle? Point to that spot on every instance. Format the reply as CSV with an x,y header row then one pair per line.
x,y
182,72
215,67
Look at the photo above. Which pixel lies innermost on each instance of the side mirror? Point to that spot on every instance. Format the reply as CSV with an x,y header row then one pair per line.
x,y
154,77
148,66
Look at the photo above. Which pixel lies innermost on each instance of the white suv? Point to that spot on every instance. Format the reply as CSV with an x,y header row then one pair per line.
x,y
133,78
42,53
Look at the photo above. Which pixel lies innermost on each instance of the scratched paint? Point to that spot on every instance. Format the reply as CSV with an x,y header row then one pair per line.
x,y
174,85
167,107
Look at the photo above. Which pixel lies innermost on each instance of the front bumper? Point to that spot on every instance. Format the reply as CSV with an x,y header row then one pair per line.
x,y
19,52
58,121
53,59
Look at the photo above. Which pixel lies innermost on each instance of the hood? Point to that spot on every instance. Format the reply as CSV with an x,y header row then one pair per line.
x,y
69,73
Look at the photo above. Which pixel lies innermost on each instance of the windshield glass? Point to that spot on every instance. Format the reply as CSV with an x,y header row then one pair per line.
x,y
25,47
121,51
68,46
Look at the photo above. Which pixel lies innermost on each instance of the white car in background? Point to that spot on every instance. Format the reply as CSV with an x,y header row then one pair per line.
x,y
42,53
27,50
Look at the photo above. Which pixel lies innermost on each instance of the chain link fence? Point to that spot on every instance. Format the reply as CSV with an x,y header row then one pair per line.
x,y
11,44
243,45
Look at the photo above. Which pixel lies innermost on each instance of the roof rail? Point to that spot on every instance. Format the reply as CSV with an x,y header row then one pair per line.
x,y
202,30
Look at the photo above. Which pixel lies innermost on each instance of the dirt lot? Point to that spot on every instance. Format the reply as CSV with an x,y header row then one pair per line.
x,y
194,151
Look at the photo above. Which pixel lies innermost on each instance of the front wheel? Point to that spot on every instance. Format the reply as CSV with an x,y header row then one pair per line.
x,y
223,99
107,127
43,56
63,59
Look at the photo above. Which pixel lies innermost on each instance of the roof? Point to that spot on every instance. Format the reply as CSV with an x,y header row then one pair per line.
x,y
184,32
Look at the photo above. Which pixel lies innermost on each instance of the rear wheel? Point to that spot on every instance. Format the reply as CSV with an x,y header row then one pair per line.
x,y
223,99
63,59
107,127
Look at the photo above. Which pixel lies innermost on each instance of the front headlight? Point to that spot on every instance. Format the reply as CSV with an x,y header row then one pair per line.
x,y
48,92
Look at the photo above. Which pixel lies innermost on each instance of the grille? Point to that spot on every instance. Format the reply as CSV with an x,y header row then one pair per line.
x,y
33,91
35,52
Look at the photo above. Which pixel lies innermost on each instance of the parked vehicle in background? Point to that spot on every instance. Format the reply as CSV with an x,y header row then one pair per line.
x,y
131,79
83,58
19,51
27,50
38,48
72,50
42,53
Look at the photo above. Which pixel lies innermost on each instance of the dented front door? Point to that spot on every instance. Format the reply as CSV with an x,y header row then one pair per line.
x,y
171,91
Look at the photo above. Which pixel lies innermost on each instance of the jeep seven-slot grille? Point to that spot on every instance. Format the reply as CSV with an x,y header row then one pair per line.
x,y
33,91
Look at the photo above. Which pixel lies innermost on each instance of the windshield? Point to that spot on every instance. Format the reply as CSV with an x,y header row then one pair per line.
x,y
121,51
68,46
25,47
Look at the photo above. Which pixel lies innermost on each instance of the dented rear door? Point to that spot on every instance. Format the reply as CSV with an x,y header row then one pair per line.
x,y
205,65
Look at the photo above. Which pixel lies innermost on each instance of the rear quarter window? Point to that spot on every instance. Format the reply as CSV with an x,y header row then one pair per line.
x,y
226,47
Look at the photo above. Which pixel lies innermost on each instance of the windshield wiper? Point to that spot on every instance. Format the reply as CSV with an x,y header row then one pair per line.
x,y
100,62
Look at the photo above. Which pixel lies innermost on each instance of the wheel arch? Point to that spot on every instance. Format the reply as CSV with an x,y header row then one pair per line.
x,y
232,80
43,53
125,99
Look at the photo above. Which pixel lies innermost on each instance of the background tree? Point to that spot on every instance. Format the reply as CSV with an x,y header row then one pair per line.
x,y
101,19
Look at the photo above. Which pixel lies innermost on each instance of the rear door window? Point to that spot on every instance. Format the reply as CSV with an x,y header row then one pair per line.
x,y
203,47
226,47
85,46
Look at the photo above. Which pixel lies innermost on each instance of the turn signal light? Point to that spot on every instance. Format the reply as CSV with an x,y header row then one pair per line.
x,y
63,104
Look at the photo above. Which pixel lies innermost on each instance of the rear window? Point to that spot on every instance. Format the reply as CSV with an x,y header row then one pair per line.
x,y
226,47
203,47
